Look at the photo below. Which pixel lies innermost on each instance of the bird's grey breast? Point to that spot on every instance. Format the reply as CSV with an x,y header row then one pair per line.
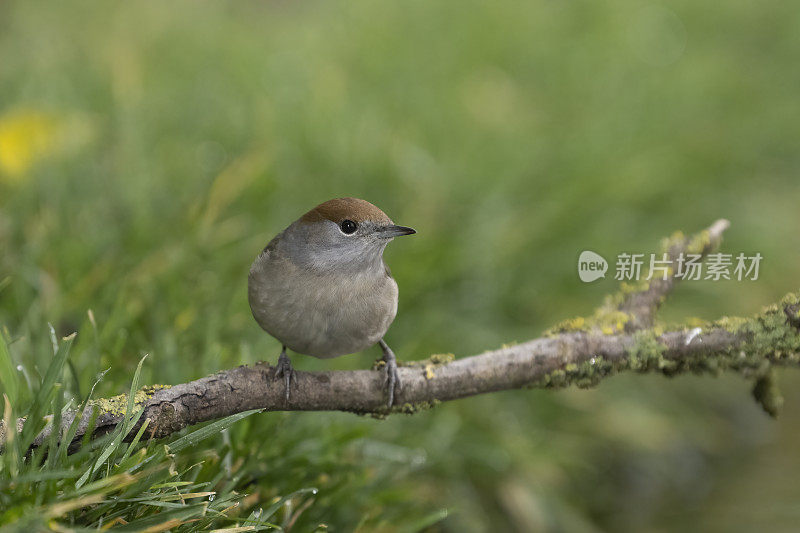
x,y
324,314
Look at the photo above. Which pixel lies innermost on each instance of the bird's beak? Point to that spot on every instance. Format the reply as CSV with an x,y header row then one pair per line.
x,y
391,231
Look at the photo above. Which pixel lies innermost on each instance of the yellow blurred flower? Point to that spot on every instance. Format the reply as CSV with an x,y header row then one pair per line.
x,y
25,137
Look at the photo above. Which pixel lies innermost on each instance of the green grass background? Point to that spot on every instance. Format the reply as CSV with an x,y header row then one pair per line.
x,y
181,136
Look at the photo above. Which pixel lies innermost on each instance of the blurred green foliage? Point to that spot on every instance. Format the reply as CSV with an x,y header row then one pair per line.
x,y
148,151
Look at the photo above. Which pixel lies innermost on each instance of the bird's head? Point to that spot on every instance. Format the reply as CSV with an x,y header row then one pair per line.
x,y
342,233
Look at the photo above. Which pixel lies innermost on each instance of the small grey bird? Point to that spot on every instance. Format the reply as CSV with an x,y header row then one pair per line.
x,y
322,288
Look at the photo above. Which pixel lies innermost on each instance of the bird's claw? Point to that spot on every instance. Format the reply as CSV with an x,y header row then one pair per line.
x,y
286,371
392,380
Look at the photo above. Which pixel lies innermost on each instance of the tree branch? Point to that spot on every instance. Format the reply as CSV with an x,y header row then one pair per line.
x,y
619,337
642,304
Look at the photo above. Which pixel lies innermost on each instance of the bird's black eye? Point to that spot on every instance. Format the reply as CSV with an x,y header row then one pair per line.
x,y
348,226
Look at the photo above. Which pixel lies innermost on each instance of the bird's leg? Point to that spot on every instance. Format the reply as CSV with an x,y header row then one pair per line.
x,y
285,371
392,375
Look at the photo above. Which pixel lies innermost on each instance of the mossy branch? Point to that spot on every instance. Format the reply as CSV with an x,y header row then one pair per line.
x,y
578,352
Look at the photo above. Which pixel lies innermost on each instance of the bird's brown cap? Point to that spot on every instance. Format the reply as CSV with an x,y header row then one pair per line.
x,y
340,209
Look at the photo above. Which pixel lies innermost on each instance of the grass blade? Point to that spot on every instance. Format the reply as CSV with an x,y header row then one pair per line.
x,y
122,429
55,431
164,520
130,418
135,440
73,427
11,455
8,374
35,422
204,432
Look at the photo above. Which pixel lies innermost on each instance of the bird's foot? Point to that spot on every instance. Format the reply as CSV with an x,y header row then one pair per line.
x,y
392,380
286,371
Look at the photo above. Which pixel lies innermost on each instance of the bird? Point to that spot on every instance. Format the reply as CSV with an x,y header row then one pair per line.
x,y
321,287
